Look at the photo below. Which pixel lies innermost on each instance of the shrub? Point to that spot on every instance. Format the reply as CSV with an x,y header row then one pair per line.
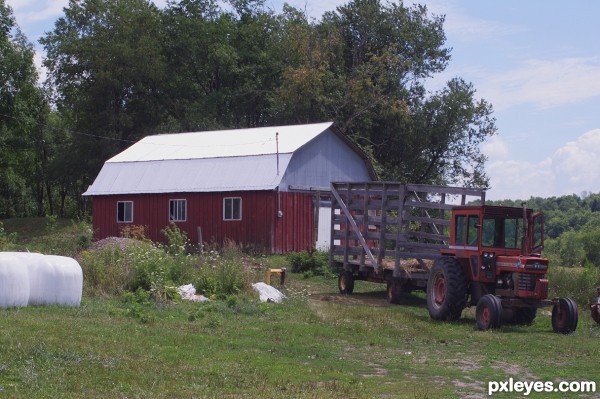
x,y
105,272
177,240
312,263
148,267
220,277
578,284
135,231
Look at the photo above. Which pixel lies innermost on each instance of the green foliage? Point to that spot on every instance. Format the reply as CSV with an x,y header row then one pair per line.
x,y
66,237
51,222
122,69
220,275
577,283
314,263
7,240
572,227
177,241
142,265
137,305
23,107
105,271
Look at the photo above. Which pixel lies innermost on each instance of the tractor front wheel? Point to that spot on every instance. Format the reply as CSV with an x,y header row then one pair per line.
x,y
564,316
489,312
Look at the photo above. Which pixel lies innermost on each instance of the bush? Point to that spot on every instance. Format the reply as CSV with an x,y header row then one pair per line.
x,y
578,284
312,263
146,266
177,240
105,272
220,275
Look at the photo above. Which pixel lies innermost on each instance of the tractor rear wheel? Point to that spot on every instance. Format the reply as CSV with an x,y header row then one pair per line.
x,y
489,312
346,283
446,289
564,316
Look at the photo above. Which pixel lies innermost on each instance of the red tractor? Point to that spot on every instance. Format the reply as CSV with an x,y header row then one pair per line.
x,y
494,262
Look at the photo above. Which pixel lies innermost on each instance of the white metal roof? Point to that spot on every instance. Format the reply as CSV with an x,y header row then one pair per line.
x,y
221,143
192,175
224,160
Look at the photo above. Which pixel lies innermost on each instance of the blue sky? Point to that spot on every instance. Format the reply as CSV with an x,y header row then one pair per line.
x,y
537,62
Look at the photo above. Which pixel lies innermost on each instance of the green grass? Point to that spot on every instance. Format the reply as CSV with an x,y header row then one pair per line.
x,y
45,235
318,344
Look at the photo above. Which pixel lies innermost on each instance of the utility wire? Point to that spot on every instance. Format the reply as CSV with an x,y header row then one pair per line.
x,y
71,131
150,143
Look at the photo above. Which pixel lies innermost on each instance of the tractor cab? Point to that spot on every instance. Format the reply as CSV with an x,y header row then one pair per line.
x,y
500,248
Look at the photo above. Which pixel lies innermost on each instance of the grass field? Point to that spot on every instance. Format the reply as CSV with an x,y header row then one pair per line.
x,y
316,344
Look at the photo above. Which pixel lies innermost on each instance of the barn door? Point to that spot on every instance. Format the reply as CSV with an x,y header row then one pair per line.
x,y
323,224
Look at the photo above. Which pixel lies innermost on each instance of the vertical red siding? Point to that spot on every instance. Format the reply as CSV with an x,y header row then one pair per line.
x,y
259,228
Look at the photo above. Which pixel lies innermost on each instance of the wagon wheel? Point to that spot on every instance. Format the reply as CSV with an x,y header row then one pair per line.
x,y
394,290
595,310
346,283
564,316
489,312
446,289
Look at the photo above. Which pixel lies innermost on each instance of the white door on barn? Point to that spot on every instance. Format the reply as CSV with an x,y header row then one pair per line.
x,y
324,226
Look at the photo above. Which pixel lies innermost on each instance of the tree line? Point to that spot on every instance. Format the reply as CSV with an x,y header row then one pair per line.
x,y
119,70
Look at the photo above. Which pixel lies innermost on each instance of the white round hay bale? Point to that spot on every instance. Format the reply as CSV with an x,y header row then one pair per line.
x,y
38,276
43,279
14,281
66,282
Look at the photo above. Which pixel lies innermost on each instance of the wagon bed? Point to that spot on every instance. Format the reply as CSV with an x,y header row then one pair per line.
x,y
386,230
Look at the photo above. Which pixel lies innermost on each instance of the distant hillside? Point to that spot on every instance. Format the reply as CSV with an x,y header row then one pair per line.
x,y
565,213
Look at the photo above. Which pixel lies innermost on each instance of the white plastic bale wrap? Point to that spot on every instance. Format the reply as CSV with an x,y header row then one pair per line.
x,y
41,279
14,281
268,293
69,280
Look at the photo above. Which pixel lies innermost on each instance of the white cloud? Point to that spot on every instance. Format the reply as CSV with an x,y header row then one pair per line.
x,y
461,26
572,169
495,148
543,83
520,179
31,11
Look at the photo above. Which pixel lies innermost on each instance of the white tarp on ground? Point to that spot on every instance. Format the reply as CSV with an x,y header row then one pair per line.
x,y
268,293
188,293
36,279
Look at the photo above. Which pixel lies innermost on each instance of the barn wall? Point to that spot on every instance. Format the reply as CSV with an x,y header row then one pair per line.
x,y
323,160
259,228
294,231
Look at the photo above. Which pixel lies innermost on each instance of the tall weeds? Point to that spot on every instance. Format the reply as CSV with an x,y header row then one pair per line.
x,y
578,283
158,269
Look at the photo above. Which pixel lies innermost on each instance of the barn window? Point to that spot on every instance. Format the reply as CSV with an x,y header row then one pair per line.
x,y
177,210
232,208
124,211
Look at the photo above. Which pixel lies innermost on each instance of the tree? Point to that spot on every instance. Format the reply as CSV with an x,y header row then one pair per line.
x,y
23,110
364,67
106,68
122,69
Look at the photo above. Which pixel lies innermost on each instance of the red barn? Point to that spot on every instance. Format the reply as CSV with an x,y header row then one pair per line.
x,y
262,187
